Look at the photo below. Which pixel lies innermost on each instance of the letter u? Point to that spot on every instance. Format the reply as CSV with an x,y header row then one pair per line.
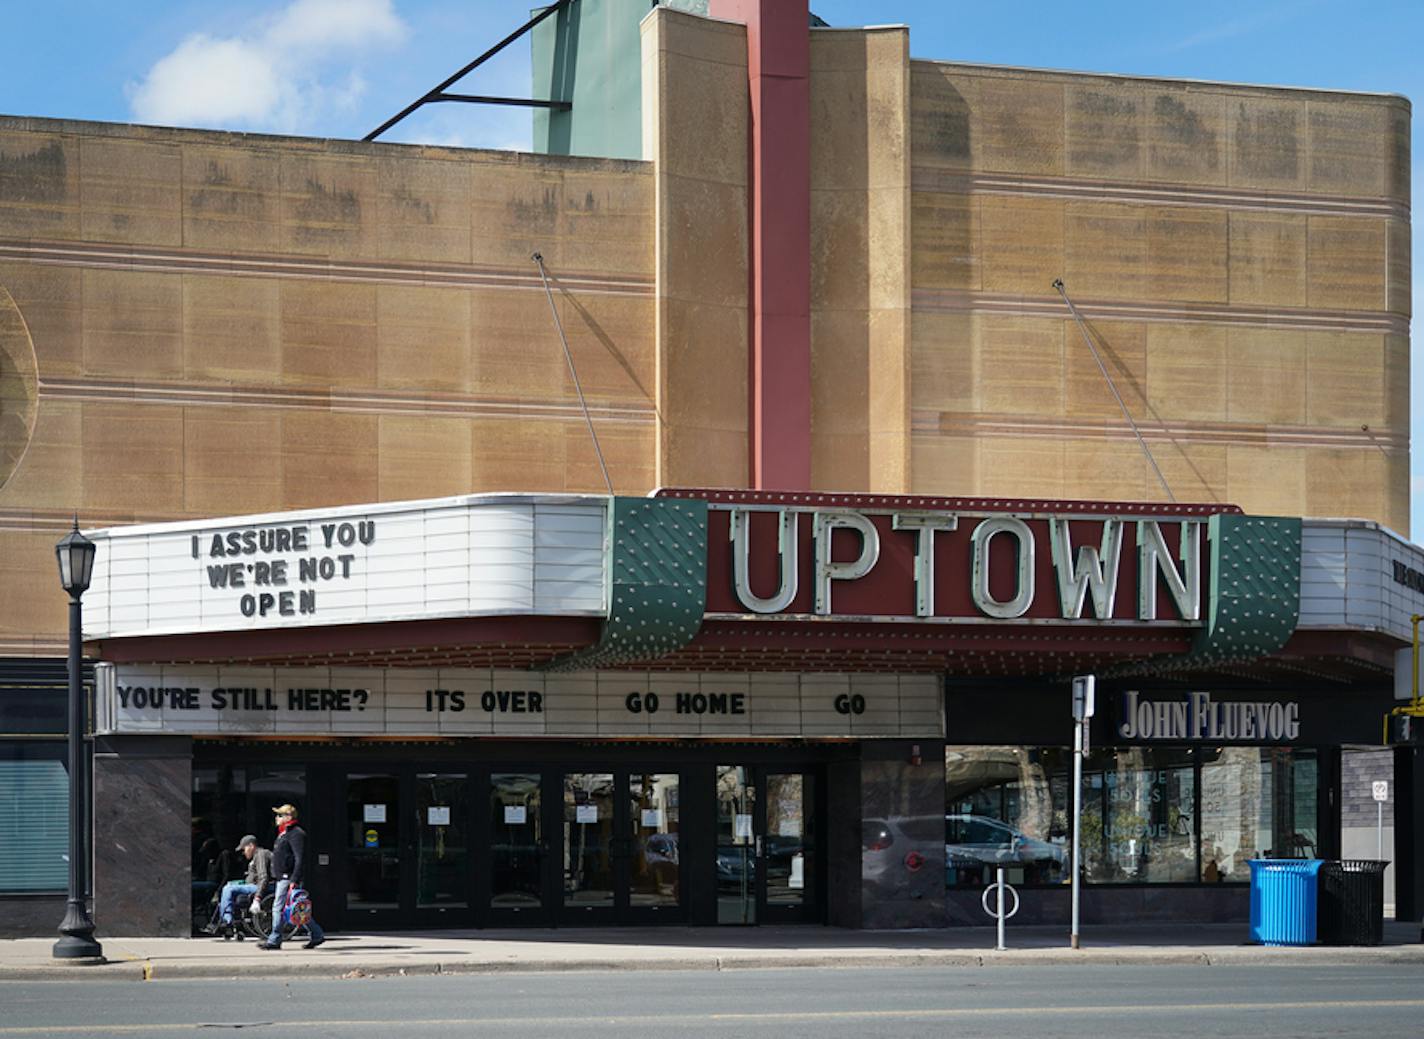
x,y
740,534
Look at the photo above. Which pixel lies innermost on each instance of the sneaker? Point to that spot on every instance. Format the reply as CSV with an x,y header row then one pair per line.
x,y
312,943
265,944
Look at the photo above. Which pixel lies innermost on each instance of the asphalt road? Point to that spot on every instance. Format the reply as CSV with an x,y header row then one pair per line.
x,y
1377,1001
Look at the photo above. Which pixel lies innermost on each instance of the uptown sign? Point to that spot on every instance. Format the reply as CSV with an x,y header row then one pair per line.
x,y
949,566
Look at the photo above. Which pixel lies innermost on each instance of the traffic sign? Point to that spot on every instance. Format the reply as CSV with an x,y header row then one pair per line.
x,y
1380,788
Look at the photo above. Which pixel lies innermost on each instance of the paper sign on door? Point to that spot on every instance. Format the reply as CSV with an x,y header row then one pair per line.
x,y
652,818
586,813
742,826
798,872
789,828
514,814
438,815
373,813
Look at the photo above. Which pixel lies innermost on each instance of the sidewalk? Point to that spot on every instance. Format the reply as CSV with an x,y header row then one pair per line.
x,y
681,948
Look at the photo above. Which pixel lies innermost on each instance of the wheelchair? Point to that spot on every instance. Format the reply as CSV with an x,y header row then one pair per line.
x,y
247,922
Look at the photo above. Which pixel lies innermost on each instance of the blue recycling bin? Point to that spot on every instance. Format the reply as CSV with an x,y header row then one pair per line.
x,y
1284,900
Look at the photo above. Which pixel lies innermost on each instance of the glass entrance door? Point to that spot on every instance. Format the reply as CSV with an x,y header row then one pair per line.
x,y
517,849
736,845
654,861
619,853
443,866
789,853
373,842
768,855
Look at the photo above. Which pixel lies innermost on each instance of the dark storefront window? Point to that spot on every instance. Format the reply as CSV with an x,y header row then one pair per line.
x,y
34,816
1010,806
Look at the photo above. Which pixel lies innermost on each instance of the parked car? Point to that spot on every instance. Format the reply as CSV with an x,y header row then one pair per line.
x,y
975,841
885,845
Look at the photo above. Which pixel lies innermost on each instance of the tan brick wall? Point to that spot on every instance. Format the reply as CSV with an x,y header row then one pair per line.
x,y
227,324
695,112
860,253
1241,256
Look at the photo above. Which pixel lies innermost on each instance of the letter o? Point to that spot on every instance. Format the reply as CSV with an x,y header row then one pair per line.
x,y
857,704
248,604
650,703
487,701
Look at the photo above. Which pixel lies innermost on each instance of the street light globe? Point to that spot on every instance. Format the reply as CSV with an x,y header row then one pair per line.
x,y
76,561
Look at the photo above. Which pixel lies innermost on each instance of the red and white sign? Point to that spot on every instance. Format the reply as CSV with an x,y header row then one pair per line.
x,y
971,561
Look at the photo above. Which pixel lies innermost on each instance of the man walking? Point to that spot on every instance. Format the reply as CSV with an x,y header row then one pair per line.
x,y
288,862
259,872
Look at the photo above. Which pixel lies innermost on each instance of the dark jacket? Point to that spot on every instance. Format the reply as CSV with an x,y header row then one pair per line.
x,y
289,855
259,870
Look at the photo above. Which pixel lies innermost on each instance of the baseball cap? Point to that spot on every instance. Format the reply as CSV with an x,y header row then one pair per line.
x,y
286,809
248,839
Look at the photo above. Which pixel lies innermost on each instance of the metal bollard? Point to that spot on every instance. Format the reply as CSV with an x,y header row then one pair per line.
x,y
999,887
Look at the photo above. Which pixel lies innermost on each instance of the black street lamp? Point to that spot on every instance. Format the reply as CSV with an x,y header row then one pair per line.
x,y
76,565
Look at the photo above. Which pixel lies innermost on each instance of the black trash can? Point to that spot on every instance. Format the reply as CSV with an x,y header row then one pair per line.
x,y
1352,902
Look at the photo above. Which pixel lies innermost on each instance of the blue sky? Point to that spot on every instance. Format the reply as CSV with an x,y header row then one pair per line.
x,y
338,68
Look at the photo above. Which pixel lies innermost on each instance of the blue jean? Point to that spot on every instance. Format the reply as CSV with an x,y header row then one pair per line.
x,y
231,892
278,901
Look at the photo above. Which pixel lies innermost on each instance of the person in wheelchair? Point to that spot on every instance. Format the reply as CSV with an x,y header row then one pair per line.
x,y
250,888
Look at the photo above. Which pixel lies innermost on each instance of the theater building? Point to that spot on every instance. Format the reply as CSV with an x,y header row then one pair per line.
x,y
790,640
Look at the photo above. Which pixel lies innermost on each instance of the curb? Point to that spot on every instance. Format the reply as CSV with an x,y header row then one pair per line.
x,y
330,968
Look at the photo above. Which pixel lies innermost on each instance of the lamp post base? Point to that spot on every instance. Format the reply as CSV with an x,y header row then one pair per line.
x,y
78,930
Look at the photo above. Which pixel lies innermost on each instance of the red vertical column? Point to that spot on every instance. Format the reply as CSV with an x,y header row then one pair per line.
x,y
779,68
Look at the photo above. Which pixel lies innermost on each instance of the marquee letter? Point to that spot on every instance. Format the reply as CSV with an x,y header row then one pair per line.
x,y
1023,594
1152,556
827,570
926,524
740,533
1096,568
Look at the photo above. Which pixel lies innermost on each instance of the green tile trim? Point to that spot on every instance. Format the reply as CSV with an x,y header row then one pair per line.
x,y
1253,599
657,573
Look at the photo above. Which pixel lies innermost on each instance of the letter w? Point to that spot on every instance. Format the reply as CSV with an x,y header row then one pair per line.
x,y
217,576
1096,568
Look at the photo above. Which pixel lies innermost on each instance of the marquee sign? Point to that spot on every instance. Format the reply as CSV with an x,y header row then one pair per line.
x,y
489,555
658,572
971,566
236,701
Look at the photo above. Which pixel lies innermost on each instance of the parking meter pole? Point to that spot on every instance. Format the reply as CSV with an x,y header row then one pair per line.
x,y
1077,821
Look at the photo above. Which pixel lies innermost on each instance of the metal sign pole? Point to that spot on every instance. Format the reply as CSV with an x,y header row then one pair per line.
x,y
1379,830
1077,820
1084,697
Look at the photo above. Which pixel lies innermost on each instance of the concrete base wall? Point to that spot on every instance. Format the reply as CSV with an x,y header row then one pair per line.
x,y
31,916
143,836
1126,905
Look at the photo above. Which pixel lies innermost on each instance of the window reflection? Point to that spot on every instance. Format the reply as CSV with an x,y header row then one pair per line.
x,y
1009,806
1256,803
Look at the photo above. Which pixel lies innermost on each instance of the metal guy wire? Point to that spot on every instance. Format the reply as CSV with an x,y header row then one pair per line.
x,y
1083,328
568,356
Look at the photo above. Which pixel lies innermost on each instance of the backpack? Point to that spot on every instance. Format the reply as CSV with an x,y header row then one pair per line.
x,y
298,910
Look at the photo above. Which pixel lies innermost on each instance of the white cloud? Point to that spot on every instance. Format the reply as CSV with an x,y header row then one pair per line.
x,y
290,69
